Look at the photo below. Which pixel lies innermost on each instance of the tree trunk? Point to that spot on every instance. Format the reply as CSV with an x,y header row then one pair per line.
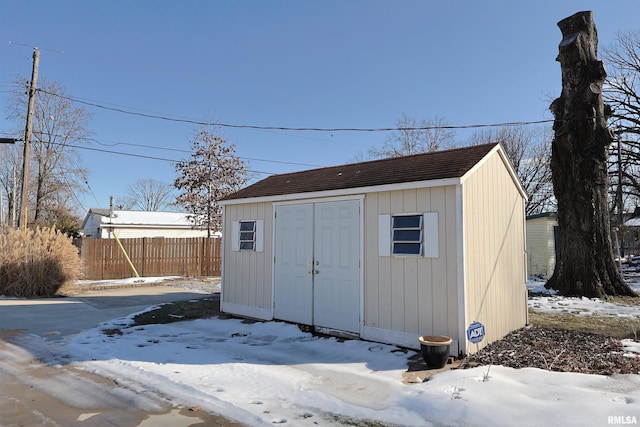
x,y
585,265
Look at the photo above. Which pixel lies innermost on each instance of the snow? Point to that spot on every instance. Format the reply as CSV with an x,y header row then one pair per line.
x,y
266,373
123,282
582,307
155,218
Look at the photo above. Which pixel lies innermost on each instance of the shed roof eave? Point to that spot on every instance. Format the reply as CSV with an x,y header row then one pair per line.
x,y
507,163
345,192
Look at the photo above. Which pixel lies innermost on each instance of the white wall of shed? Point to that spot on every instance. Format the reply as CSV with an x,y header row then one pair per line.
x,y
247,275
494,251
409,296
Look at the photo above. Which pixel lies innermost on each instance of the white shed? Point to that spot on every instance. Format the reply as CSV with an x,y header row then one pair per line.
x,y
385,250
101,223
541,244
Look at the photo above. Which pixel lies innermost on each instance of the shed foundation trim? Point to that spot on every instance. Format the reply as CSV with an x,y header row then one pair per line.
x,y
246,311
402,339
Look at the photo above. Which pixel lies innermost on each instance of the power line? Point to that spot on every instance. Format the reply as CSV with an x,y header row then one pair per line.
x,y
122,153
86,182
34,47
179,150
75,196
294,129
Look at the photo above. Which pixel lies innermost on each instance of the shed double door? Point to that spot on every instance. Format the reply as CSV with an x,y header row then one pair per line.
x,y
317,264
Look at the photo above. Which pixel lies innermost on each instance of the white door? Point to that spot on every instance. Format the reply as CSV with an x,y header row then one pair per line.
x,y
317,264
336,296
293,287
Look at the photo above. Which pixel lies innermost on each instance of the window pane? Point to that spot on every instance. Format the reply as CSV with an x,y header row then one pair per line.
x,y
246,236
407,248
407,221
407,235
246,245
247,225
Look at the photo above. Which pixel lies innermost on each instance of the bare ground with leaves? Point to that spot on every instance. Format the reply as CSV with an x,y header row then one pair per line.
x,y
557,350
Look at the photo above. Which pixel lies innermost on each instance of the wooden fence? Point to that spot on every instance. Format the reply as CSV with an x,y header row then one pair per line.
x,y
152,257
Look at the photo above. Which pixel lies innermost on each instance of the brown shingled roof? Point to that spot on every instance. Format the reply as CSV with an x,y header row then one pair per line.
x,y
419,167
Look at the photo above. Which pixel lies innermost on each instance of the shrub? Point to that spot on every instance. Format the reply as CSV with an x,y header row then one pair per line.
x,y
36,263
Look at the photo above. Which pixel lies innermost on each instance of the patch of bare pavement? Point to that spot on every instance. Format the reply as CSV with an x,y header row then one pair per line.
x,y
34,391
37,394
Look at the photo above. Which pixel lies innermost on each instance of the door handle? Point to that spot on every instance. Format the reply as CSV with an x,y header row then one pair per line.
x,y
313,272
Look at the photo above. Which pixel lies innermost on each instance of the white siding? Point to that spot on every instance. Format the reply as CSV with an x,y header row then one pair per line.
x,y
541,252
476,268
247,275
92,227
494,251
409,296
136,224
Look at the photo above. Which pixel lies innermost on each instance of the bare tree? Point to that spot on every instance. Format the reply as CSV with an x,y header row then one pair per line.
x,y
212,172
415,136
57,170
359,157
529,150
9,172
622,92
585,265
149,195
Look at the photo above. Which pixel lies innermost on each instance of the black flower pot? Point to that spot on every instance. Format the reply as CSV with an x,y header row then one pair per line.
x,y
435,350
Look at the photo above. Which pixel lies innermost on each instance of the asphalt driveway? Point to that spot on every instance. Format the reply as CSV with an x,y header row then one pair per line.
x,y
56,318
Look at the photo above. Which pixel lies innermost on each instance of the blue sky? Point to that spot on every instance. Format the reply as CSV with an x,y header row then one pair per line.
x,y
321,64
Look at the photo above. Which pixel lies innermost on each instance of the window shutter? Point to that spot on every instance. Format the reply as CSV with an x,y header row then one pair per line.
x,y
259,235
235,236
384,235
430,235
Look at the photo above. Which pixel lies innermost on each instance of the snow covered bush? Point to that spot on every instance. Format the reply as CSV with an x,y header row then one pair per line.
x,y
36,263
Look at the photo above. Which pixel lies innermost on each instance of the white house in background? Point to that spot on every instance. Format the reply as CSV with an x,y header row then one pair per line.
x,y
541,244
101,223
385,250
630,234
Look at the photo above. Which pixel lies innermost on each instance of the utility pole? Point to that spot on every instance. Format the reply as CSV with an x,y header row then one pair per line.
x,y
24,203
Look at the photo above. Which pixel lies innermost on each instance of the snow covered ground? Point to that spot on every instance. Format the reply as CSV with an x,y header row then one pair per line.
x,y
271,373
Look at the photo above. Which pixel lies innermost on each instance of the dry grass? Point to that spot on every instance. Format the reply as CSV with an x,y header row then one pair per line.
x,y
180,311
36,263
616,327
